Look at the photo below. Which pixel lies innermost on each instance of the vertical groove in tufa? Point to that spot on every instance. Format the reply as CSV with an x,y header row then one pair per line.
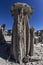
x,y
21,31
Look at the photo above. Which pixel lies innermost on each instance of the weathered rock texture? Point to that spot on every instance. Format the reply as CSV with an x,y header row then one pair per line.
x,y
31,41
21,30
2,40
41,36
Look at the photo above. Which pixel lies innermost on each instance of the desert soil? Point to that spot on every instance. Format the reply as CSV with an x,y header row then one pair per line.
x,y
5,49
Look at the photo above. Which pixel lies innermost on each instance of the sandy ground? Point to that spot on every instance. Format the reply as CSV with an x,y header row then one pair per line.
x,y
4,54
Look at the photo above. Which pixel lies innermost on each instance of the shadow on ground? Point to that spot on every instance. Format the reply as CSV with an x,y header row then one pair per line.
x,y
5,51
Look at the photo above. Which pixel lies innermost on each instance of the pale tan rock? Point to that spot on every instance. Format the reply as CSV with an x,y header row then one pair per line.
x,y
31,41
20,45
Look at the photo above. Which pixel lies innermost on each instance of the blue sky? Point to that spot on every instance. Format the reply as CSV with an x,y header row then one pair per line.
x,y
36,19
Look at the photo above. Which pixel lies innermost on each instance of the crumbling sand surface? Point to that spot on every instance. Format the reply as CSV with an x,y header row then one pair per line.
x,y
4,54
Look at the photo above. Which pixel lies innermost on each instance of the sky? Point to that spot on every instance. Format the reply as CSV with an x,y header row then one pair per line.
x,y
36,19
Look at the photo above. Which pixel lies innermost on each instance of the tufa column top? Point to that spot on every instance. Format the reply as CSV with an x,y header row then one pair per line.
x,y
17,7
